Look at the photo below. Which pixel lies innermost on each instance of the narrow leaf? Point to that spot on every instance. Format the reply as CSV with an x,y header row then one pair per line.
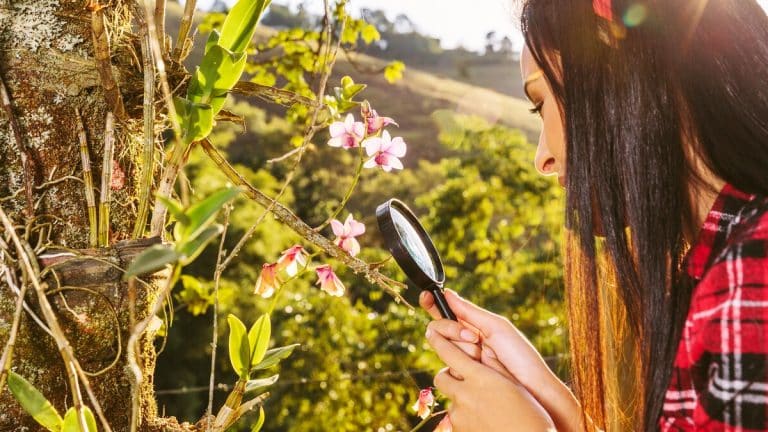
x,y
192,248
72,425
258,337
195,119
204,212
261,383
240,24
260,422
213,39
274,356
217,73
175,209
151,260
33,402
238,339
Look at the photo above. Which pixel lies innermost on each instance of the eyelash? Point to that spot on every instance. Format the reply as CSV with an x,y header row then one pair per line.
x,y
537,109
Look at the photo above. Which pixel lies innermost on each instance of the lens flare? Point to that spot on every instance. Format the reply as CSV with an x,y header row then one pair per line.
x,y
635,15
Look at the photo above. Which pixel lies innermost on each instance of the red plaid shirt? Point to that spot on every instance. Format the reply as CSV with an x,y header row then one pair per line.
x,y
720,377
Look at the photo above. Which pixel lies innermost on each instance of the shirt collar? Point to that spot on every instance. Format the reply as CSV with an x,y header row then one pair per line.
x,y
714,232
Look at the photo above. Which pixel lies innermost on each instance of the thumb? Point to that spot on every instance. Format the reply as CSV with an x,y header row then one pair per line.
x,y
487,322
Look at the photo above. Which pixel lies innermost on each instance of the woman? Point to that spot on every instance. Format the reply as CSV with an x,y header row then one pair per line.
x,y
655,120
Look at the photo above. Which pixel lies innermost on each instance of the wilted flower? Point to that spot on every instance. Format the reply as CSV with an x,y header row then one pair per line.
x,y
444,425
291,259
346,134
328,281
423,406
267,282
373,122
385,152
346,233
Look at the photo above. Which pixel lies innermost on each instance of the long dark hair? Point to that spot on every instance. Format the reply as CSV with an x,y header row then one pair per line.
x,y
639,94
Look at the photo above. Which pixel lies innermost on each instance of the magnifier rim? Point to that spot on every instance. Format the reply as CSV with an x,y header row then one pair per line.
x,y
393,240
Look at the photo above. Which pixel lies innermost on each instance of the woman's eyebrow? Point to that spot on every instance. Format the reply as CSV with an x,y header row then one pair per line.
x,y
530,79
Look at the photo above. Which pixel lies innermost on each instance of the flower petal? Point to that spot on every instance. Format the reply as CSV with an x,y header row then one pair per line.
x,y
349,123
372,145
337,128
359,130
398,147
336,141
370,163
394,163
337,227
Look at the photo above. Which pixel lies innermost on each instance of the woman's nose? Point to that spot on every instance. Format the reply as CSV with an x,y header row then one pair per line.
x,y
545,162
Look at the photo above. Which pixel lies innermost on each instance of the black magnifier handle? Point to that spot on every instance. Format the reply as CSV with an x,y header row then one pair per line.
x,y
442,303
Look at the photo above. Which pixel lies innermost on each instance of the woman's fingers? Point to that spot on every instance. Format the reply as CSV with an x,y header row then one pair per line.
x,y
427,301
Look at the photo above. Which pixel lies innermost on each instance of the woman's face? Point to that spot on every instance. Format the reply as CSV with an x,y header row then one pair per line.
x,y
550,152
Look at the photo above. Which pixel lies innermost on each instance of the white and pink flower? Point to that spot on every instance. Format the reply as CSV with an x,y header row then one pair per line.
x,y
346,233
373,122
347,134
291,259
426,402
328,281
268,281
385,152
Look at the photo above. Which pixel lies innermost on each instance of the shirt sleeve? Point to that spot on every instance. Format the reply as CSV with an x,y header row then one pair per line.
x,y
732,374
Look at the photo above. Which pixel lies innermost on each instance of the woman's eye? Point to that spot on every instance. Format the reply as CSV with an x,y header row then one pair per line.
x,y
537,109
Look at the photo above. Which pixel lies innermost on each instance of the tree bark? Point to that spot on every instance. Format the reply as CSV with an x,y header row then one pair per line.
x,y
49,65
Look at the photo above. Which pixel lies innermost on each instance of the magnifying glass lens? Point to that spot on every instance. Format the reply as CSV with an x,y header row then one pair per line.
x,y
413,244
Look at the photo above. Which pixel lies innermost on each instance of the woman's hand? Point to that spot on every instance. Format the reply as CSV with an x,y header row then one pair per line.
x,y
483,399
494,341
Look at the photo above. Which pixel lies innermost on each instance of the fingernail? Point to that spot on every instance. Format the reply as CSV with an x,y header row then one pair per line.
x,y
428,333
468,335
422,296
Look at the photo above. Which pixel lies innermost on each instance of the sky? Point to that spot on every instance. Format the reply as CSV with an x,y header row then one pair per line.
x,y
455,22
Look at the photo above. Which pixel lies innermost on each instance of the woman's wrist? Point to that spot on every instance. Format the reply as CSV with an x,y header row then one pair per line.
x,y
559,401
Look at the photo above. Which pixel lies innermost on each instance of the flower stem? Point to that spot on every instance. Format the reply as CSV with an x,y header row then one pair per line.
x,y
348,195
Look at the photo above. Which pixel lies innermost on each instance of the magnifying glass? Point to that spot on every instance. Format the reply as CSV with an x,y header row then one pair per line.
x,y
413,250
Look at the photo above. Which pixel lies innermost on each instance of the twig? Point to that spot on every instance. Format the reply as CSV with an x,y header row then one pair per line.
x,y
147,155
310,133
65,349
247,88
288,218
160,23
5,360
180,50
157,224
348,195
104,60
27,163
215,337
90,198
106,180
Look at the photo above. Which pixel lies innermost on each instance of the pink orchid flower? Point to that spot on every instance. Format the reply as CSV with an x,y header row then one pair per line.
x,y
385,152
268,281
444,425
373,122
291,259
347,134
346,233
328,281
423,406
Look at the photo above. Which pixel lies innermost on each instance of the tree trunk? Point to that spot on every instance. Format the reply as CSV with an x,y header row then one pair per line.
x,y
48,63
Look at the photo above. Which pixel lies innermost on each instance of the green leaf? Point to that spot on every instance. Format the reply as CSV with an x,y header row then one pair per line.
x,y
255,385
204,212
260,422
33,402
347,81
213,39
394,71
195,119
175,209
274,356
237,30
370,34
258,337
217,74
192,248
151,260
352,91
239,350
72,425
